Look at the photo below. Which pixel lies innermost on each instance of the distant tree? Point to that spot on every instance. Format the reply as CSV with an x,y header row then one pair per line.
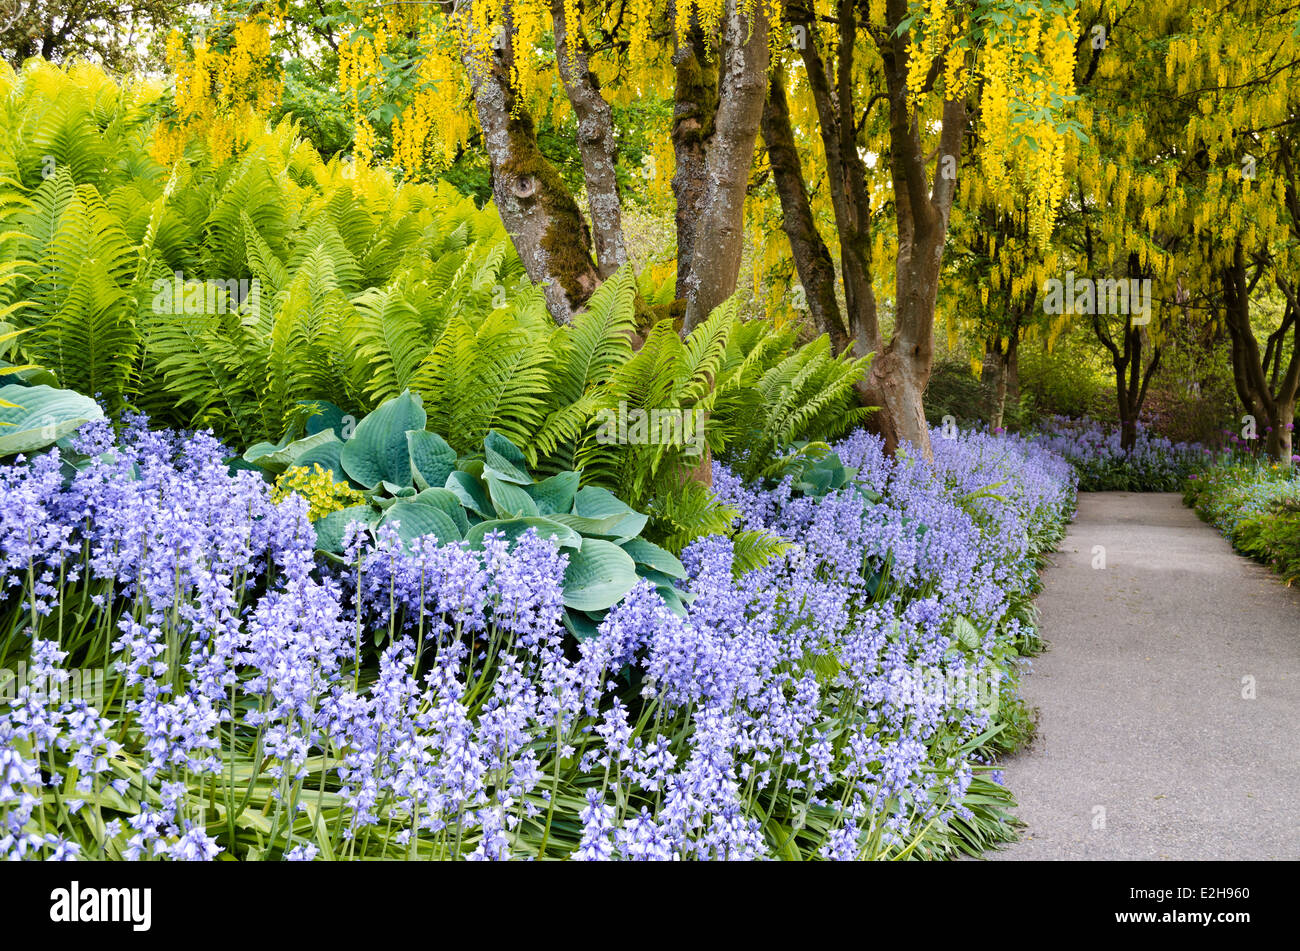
x,y
116,33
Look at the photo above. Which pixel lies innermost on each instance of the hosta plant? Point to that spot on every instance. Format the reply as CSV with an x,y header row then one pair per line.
x,y
404,477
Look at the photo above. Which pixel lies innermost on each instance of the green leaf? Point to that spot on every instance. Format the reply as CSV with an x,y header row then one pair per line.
x,y
966,633
325,455
505,458
41,415
27,375
432,460
595,502
674,600
602,527
276,459
325,415
331,528
509,500
446,500
652,556
512,528
581,625
471,492
416,519
598,576
555,494
378,451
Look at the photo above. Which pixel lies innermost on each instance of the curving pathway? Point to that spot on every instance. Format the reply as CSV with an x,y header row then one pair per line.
x,y
1146,746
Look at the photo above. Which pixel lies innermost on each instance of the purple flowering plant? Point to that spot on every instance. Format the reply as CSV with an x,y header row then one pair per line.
x,y
1153,464
840,701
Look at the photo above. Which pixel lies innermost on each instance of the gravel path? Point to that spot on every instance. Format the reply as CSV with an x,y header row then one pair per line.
x,y
1147,747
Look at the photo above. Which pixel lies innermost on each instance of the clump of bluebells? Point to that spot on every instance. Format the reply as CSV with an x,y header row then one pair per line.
x,y
424,701
1153,464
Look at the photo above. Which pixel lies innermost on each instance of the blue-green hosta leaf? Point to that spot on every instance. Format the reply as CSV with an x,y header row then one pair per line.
x,y
395,491
652,556
599,527
556,493
325,415
595,502
276,459
471,492
581,625
598,576
330,528
816,482
432,460
873,497
258,450
508,500
512,528
40,416
674,600
657,578
325,455
378,451
446,500
415,520
504,456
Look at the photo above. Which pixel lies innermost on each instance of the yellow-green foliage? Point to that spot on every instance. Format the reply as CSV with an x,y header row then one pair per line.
x,y
348,276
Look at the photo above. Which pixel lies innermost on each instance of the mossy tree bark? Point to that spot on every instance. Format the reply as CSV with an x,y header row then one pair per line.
x,y
595,142
721,86
833,94
923,208
719,233
695,106
537,207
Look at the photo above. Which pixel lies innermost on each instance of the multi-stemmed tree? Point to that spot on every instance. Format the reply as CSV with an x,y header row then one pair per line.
x,y
865,107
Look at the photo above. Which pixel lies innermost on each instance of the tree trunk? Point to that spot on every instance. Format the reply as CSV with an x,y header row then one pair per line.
x,y
900,370
1127,433
720,232
812,259
1279,439
1013,376
1268,393
1131,381
535,204
845,173
695,106
922,213
595,141
995,374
